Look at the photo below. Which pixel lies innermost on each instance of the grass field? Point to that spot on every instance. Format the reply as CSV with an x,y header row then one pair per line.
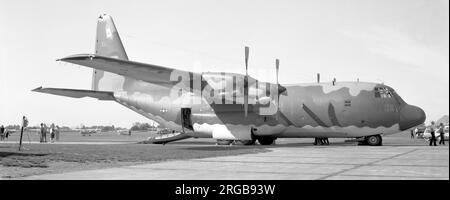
x,y
75,136
55,157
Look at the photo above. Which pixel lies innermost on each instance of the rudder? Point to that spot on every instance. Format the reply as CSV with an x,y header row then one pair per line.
x,y
108,44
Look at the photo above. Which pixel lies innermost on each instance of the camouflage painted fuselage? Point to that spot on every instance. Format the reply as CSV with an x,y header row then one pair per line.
x,y
346,109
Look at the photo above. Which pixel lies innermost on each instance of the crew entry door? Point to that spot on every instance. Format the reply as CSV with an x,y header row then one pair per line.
x,y
186,121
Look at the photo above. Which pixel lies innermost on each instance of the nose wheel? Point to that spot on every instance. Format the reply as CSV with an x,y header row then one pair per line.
x,y
373,140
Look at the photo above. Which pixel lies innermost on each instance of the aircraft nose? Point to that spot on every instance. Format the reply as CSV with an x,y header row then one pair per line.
x,y
411,116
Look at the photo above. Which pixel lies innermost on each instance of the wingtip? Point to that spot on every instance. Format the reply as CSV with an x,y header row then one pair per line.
x,y
37,89
77,57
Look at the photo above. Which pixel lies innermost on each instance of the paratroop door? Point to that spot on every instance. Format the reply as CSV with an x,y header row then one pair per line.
x,y
186,119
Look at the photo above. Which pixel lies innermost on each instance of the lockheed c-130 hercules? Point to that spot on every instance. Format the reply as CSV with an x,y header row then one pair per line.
x,y
236,107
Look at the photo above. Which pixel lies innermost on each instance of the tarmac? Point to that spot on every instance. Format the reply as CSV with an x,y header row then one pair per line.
x,y
334,162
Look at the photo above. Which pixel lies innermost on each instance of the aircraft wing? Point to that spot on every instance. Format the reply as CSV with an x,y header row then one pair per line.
x,y
140,71
107,96
162,75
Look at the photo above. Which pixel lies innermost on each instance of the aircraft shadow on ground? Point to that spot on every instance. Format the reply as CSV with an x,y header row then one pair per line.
x,y
403,145
190,143
208,146
220,148
341,144
205,146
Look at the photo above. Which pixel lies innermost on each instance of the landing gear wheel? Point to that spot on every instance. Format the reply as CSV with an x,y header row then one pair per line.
x,y
224,142
266,140
247,142
374,140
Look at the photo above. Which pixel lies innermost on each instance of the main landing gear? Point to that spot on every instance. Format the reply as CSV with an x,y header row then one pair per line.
x,y
263,140
373,140
224,142
266,140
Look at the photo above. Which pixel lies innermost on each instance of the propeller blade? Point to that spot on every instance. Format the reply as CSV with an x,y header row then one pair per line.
x,y
277,63
246,96
247,50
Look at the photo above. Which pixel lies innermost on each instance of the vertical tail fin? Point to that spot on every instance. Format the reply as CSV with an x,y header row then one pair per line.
x,y
108,44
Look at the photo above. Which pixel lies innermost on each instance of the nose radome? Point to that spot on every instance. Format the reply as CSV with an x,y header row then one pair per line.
x,y
411,116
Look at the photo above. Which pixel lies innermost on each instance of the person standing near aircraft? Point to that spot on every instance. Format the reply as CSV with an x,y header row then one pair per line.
x,y
40,133
412,133
441,134
45,133
6,134
41,140
52,133
57,133
433,134
2,130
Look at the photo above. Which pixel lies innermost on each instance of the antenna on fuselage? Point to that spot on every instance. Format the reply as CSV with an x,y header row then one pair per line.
x,y
247,50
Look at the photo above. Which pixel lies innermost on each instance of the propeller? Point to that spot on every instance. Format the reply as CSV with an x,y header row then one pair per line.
x,y
279,88
247,50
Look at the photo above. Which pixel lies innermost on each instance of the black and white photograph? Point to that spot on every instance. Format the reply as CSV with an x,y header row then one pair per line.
x,y
201,90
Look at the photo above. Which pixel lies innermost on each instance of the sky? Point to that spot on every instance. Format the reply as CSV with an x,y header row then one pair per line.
x,y
402,43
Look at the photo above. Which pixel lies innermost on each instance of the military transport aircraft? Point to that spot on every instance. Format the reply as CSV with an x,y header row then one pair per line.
x,y
236,107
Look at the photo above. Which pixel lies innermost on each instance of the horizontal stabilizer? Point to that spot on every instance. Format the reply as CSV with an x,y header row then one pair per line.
x,y
140,71
107,96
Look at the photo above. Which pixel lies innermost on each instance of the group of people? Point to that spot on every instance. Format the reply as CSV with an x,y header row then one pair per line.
x,y
321,141
4,134
440,130
53,131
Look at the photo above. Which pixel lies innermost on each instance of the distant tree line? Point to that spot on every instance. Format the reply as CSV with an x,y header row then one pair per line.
x,y
137,126
103,128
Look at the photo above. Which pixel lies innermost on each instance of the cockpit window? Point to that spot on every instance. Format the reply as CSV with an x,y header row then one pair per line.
x,y
383,92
